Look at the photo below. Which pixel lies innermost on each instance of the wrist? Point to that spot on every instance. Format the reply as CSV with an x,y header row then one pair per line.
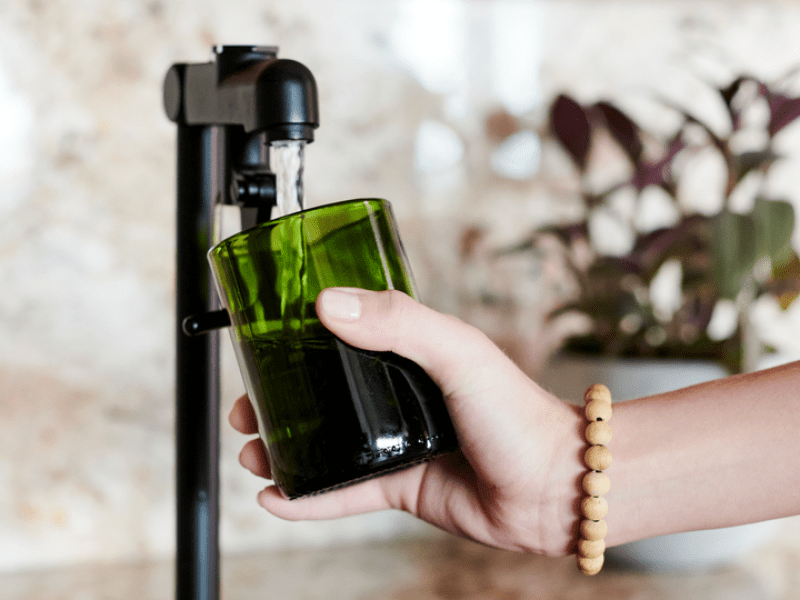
x,y
560,519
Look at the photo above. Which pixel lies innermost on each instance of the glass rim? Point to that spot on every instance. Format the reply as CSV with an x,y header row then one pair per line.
x,y
300,213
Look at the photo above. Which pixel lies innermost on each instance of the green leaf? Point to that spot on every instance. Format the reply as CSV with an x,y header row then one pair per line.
x,y
786,279
774,225
734,251
747,162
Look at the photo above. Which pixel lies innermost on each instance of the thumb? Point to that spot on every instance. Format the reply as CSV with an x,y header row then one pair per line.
x,y
448,349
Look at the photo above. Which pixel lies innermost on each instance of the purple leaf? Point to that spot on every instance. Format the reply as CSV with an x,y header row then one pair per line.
x,y
570,125
783,111
653,248
622,129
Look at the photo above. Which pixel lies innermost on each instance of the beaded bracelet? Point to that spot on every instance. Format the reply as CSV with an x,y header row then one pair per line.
x,y
591,545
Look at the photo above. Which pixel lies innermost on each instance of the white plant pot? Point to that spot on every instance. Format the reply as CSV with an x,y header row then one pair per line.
x,y
568,377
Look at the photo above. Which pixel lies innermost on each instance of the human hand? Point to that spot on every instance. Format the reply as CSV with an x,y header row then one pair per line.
x,y
514,482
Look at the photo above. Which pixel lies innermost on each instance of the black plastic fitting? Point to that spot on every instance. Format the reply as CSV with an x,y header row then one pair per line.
x,y
247,86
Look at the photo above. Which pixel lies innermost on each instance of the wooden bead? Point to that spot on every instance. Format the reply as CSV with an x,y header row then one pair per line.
x,y
594,507
597,458
593,530
598,432
596,484
591,548
590,566
597,392
598,410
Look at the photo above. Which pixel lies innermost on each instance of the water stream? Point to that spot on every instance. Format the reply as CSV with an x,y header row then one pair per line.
x,y
286,159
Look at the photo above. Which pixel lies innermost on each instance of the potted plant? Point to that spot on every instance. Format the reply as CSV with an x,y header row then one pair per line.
x,y
725,258
720,257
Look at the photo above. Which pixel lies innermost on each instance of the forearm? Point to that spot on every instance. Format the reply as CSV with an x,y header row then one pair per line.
x,y
718,454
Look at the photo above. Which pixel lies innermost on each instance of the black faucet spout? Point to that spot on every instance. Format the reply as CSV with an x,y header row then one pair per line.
x,y
246,86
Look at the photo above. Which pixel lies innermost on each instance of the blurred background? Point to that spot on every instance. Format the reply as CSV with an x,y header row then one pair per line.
x,y
440,106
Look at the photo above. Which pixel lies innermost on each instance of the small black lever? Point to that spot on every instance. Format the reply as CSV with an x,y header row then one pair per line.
x,y
205,322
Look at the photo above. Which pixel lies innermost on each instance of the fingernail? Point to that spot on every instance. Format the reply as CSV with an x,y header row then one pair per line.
x,y
341,305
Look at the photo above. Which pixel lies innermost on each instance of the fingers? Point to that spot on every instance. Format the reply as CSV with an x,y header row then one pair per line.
x,y
394,490
243,417
253,457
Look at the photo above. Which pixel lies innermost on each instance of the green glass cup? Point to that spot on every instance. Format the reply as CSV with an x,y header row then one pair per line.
x,y
329,413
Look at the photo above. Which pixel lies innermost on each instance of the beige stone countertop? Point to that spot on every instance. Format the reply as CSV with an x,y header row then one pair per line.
x,y
419,569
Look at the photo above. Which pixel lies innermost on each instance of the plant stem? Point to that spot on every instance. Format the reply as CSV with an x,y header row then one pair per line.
x,y
751,345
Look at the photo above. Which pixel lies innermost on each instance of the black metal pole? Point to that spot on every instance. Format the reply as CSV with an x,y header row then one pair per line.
x,y
226,111
197,377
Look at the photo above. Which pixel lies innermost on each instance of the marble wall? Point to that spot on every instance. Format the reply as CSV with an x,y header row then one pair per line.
x,y
414,97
